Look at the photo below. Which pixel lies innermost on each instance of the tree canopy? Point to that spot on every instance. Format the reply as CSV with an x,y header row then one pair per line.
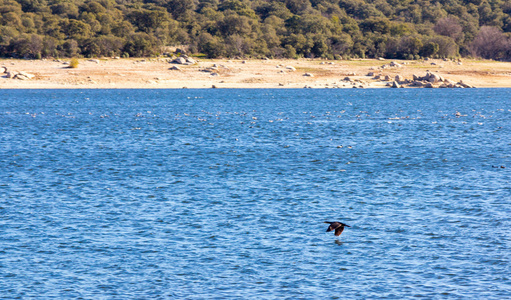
x,y
401,29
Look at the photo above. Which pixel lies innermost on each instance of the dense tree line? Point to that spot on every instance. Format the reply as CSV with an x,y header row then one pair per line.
x,y
403,29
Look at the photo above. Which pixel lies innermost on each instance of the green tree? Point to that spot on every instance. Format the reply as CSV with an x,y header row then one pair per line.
x,y
69,48
210,45
447,47
429,49
148,20
241,8
141,44
75,29
341,45
375,25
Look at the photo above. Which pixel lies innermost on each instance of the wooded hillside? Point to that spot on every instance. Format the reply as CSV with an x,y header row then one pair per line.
x,y
403,29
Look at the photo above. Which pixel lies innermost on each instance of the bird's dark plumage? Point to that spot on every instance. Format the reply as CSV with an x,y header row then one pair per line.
x,y
337,226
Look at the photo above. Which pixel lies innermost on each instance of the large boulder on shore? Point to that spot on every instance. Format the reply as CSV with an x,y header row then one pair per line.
x,y
19,75
179,60
434,78
464,85
24,76
184,60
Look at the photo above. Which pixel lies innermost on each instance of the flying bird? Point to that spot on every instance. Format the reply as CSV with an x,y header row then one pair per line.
x,y
337,226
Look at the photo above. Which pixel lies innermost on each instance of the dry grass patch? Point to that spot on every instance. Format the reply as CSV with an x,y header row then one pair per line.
x,y
73,63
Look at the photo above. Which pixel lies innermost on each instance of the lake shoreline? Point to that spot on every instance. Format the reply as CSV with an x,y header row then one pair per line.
x,y
161,73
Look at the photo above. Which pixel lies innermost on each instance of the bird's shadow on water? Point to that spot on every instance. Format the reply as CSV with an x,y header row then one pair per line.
x,y
339,243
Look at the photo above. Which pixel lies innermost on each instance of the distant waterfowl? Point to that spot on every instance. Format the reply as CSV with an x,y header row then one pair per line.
x,y
337,226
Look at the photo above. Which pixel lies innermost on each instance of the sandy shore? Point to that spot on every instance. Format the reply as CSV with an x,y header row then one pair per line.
x,y
157,73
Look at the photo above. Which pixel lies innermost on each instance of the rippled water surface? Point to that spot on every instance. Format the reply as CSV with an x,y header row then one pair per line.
x,y
214,194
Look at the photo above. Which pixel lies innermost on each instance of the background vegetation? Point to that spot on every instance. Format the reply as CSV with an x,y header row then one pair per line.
x,y
404,29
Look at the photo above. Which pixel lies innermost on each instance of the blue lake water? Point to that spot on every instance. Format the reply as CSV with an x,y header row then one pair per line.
x,y
222,194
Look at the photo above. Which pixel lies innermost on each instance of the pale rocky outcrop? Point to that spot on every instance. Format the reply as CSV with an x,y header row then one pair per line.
x,y
179,60
392,64
23,76
19,75
291,68
465,85
3,70
430,77
215,69
209,70
184,60
432,80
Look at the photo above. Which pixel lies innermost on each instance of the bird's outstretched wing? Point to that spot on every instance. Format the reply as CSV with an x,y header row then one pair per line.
x,y
333,225
339,230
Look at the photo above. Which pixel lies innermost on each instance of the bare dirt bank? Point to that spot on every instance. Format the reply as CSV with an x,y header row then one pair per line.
x,y
273,73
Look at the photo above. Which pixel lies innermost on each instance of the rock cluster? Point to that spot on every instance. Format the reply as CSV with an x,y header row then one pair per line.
x,y
287,68
215,69
16,75
184,60
430,80
392,64
355,83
